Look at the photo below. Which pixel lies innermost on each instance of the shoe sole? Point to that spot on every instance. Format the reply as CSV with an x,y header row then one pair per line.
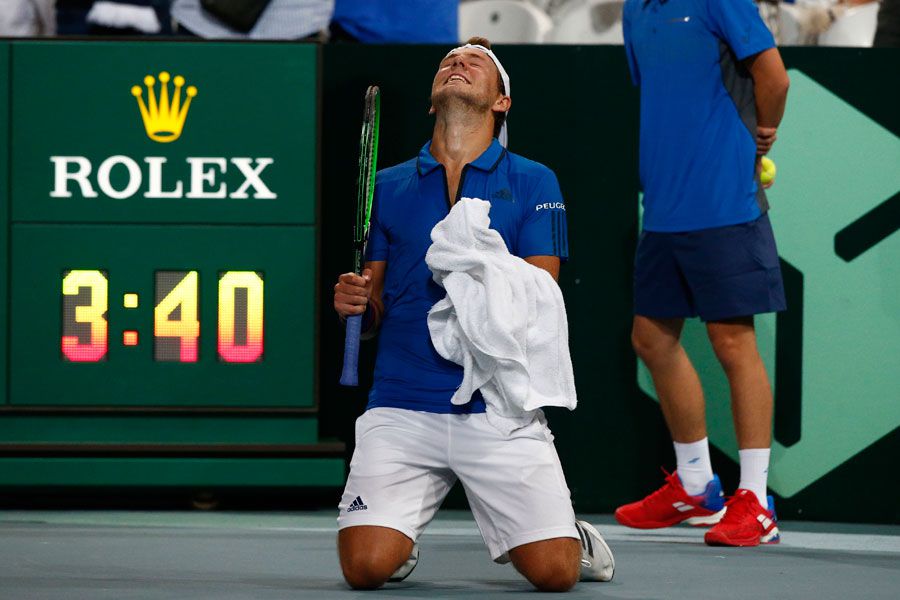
x,y
599,538
706,521
699,521
773,537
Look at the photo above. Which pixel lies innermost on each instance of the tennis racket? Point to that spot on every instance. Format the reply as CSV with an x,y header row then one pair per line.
x,y
365,191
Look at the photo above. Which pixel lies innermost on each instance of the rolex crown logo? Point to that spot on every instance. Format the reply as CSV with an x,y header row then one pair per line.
x,y
163,118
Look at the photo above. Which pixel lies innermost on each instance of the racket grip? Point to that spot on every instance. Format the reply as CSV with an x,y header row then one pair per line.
x,y
350,375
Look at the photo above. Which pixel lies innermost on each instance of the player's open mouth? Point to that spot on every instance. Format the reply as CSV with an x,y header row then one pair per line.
x,y
456,77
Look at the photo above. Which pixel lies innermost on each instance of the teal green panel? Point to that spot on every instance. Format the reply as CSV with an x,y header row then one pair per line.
x,y
181,472
74,99
144,429
828,177
129,256
4,209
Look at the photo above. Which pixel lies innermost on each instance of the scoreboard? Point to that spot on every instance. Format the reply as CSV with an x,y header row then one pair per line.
x,y
162,316
160,251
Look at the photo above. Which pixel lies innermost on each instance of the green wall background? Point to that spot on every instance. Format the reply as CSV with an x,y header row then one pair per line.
x,y
4,209
129,420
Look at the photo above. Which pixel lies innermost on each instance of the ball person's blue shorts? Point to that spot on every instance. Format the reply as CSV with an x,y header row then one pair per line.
x,y
716,274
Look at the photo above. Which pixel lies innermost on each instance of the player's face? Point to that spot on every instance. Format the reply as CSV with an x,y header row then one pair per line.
x,y
469,75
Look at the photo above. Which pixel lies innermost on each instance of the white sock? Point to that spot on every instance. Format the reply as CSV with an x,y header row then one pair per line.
x,y
755,472
694,466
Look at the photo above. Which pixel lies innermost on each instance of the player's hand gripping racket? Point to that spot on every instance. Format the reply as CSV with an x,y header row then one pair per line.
x,y
365,191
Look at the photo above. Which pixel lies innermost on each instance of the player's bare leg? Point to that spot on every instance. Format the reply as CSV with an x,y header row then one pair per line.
x,y
658,343
369,555
734,342
549,565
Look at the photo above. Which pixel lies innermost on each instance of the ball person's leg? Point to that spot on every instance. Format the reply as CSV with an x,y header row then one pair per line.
x,y
734,342
657,343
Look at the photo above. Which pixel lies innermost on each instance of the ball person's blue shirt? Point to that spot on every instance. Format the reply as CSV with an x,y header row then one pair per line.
x,y
698,111
527,210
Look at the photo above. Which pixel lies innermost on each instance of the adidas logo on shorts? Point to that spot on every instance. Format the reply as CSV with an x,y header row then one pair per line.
x,y
357,505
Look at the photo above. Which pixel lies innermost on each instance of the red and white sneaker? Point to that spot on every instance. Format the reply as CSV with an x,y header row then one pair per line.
x,y
671,504
746,523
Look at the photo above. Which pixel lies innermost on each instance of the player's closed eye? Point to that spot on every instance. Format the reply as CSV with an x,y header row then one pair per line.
x,y
471,61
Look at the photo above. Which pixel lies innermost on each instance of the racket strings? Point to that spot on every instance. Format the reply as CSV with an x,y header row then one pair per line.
x,y
368,157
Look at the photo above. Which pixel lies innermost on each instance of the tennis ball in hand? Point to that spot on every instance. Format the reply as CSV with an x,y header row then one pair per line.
x,y
767,174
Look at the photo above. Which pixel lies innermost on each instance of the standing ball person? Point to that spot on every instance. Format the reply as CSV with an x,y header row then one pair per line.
x,y
713,90
413,443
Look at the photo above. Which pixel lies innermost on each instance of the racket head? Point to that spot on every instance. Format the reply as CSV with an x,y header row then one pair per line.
x,y
365,184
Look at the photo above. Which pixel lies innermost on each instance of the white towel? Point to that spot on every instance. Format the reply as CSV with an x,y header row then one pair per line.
x,y
503,320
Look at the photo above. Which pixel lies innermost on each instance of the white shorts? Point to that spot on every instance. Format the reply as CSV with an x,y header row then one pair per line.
x,y
406,461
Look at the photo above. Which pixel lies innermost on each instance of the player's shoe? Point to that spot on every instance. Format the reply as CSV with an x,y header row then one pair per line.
x,y
407,567
671,504
746,523
597,562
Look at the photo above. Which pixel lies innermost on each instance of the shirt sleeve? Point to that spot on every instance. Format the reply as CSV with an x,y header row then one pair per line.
x,y
544,231
629,49
739,24
377,247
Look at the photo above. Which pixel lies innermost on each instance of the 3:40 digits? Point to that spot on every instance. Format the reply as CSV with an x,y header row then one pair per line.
x,y
176,323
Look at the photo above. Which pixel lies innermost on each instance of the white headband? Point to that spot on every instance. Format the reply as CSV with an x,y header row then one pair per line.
x,y
504,134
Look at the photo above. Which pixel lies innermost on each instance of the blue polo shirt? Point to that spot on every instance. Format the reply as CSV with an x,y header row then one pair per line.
x,y
399,21
527,210
698,111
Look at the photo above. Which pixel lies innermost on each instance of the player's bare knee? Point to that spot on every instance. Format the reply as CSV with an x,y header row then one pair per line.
x,y
364,572
362,581
553,571
557,576
370,555
363,569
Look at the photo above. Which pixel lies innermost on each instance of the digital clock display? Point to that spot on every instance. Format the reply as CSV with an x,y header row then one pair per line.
x,y
176,323
85,333
240,316
143,315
